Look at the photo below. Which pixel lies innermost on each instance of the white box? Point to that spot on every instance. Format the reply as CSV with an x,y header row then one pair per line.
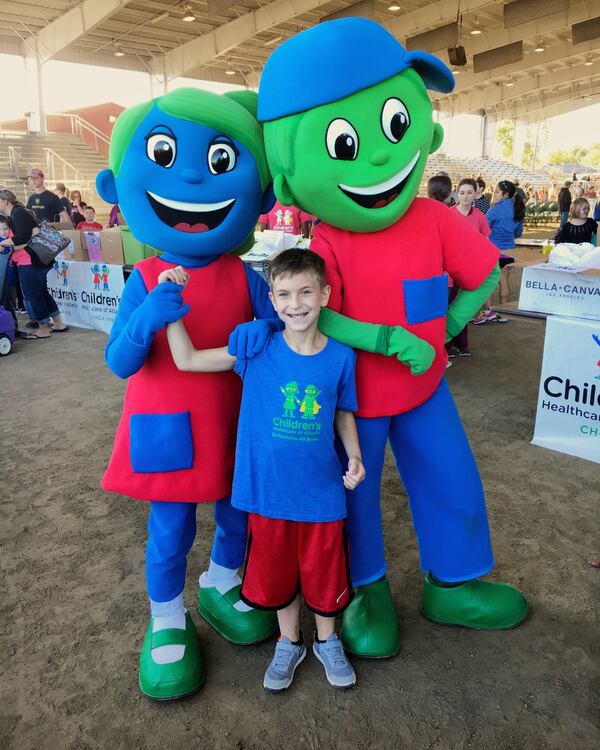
x,y
560,291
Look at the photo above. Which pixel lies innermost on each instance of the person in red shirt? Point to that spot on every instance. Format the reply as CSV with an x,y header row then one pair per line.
x,y
89,224
288,219
467,189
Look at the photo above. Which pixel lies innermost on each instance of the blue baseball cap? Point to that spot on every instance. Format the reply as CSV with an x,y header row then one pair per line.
x,y
335,59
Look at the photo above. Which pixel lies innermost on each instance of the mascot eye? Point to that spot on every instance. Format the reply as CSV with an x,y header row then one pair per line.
x,y
162,149
341,140
394,120
221,158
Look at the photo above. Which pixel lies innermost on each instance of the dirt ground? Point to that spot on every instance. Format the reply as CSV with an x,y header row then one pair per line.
x,y
73,608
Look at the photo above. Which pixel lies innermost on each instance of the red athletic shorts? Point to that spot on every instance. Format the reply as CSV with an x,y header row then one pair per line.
x,y
286,557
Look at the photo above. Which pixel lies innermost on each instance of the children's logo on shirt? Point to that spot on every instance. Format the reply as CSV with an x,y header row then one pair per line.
x,y
307,427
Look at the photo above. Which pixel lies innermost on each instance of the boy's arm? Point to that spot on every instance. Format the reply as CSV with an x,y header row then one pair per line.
x,y
190,359
467,303
346,429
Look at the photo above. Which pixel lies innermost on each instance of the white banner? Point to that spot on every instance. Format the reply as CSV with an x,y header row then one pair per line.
x,y
87,294
568,411
560,291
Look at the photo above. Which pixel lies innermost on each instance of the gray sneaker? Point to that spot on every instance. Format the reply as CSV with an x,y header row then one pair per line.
x,y
280,672
338,669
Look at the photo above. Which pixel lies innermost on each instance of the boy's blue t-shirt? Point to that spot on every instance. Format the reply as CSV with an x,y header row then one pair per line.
x,y
286,466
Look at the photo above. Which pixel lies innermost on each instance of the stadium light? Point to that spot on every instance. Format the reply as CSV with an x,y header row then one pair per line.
x,y
394,8
475,31
589,60
118,51
539,47
189,14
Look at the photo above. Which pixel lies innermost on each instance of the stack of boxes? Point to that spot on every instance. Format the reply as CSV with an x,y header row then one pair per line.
x,y
116,246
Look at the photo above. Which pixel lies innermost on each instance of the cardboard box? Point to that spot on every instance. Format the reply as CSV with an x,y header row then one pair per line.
x,y
76,250
559,291
112,246
105,246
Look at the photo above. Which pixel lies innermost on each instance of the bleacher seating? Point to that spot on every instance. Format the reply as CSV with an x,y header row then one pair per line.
x,y
491,170
84,161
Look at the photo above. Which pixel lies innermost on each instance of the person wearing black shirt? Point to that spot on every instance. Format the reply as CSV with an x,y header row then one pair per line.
x,y
61,193
564,203
481,202
579,227
32,274
44,204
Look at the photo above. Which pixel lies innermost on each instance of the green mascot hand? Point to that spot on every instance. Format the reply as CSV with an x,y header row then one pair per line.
x,y
411,350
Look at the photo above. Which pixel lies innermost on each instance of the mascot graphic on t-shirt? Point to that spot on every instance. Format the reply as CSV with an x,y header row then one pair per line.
x,y
349,144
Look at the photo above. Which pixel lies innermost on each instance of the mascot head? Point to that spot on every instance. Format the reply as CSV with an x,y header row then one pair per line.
x,y
348,122
189,171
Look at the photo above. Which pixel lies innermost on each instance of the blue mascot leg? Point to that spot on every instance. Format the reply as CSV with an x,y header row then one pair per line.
x,y
219,600
447,504
446,498
170,664
370,625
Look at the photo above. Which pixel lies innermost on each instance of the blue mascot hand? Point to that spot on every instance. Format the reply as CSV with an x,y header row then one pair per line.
x,y
249,339
163,305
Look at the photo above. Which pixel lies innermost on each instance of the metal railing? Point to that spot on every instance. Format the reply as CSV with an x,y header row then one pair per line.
x,y
79,126
58,169
14,159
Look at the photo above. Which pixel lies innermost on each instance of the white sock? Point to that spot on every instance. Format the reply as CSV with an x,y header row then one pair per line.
x,y
223,579
167,615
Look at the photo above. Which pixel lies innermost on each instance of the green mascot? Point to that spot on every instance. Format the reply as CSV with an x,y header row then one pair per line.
x,y
348,127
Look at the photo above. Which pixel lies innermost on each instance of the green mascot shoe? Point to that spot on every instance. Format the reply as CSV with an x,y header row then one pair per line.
x,y
163,682
241,628
370,624
474,604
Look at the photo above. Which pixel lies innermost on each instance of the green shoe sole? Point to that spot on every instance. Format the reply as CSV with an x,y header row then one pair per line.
x,y
477,605
239,628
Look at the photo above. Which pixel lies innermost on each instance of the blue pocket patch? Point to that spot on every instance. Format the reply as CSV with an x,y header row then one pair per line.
x,y
425,299
161,442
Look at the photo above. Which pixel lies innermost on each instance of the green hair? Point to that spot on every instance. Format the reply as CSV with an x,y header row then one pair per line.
x,y
233,114
280,136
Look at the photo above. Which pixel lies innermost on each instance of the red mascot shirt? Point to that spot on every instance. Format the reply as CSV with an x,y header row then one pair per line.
x,y
176,437
398,276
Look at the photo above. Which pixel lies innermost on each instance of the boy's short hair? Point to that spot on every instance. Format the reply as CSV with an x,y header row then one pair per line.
x,y
481,183
439,187
294,261
89,208
4,219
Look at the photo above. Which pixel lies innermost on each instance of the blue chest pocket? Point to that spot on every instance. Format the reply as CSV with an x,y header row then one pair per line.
x,y
425,299
161,442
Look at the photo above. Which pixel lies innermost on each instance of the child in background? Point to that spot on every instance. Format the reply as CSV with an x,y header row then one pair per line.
x,y
89,224
287,474
579,227
439,188
8,293
288,219
505,218
467,190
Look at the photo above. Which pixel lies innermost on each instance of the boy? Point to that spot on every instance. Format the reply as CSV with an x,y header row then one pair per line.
x,y
89,224
287,474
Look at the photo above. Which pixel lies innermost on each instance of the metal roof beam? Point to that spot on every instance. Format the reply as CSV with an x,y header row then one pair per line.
x,y
549,105
207,47
432,16
69,27
495,94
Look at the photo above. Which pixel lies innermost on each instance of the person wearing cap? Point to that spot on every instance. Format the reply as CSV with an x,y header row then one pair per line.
x,y
349,143
45,204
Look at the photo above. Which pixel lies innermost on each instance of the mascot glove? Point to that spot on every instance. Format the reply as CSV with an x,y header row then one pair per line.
x,y
411,350
249,339
164,304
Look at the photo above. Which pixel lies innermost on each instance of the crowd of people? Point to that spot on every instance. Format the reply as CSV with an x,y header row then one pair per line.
x,y
25,287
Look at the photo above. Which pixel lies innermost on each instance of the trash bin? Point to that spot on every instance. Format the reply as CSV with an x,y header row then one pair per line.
x,y
133,249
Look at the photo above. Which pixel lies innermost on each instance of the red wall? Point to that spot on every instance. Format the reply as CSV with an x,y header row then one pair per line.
x,y
96,116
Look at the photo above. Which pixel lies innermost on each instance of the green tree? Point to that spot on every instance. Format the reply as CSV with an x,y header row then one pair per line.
x,y
504,136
